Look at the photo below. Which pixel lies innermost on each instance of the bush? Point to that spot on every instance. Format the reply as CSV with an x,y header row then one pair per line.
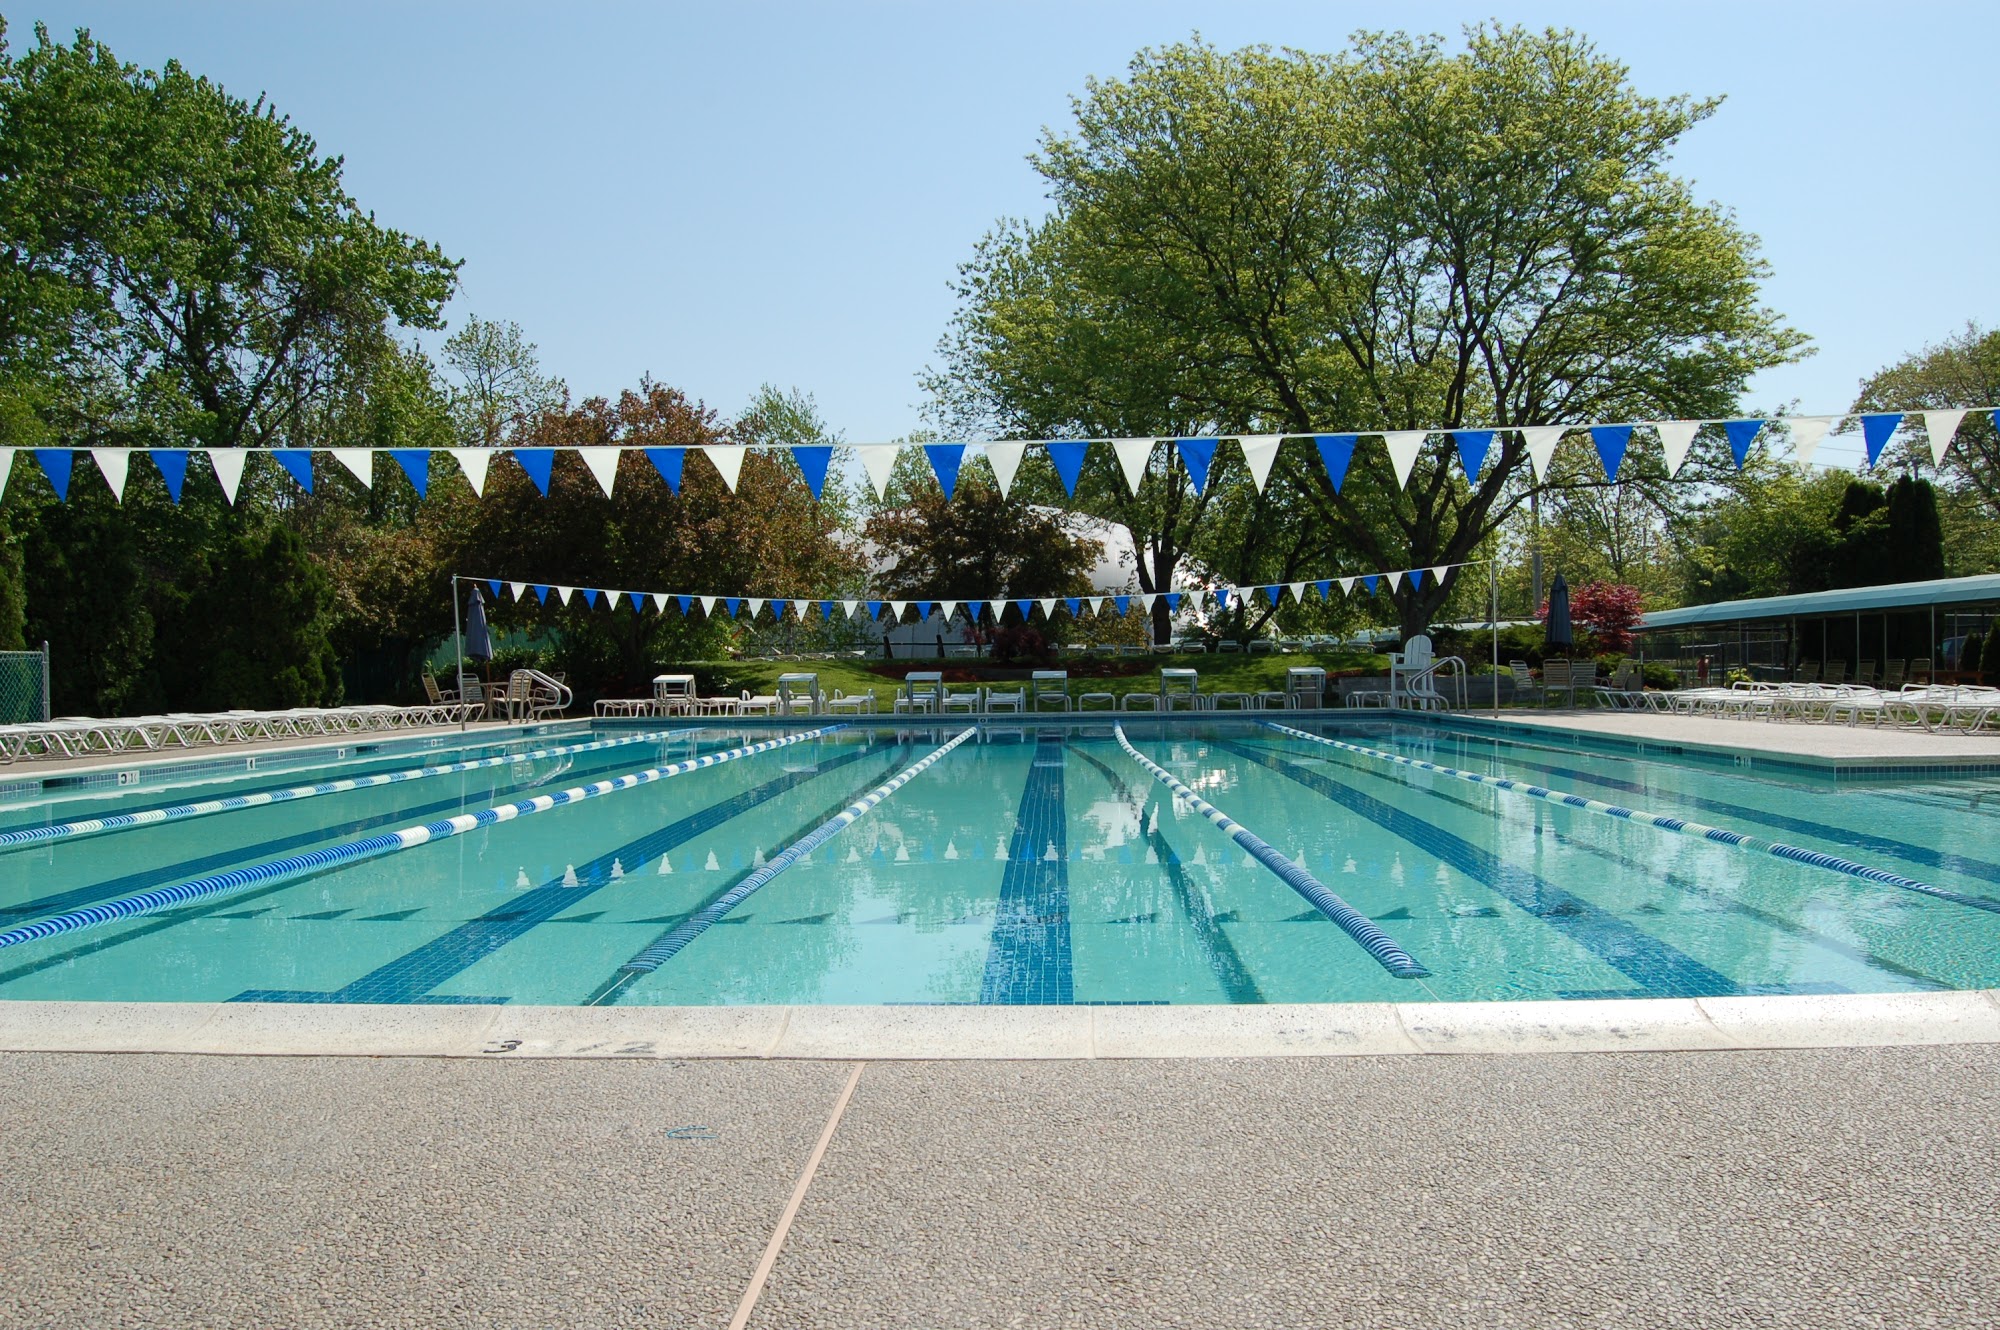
x,y
1657,675
1989,655
1970,652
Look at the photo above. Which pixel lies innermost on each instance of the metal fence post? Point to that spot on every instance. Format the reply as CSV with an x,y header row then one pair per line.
x,y
45,683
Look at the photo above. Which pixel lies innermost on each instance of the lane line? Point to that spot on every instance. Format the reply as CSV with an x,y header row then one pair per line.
x,y
778,1234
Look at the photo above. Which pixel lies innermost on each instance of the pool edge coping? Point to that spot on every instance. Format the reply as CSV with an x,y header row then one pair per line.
x,y
968,1033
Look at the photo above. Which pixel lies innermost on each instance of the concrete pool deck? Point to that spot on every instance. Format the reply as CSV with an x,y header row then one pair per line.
x,y
1807,1188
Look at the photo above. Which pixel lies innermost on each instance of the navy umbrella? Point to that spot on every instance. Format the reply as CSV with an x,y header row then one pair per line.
x,y
479,641
1561,634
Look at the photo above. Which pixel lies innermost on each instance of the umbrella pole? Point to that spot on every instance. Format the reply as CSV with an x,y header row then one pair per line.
x,y
458,640
1493,587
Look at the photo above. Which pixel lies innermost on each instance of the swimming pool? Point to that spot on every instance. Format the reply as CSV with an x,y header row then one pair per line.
x,y
1026,864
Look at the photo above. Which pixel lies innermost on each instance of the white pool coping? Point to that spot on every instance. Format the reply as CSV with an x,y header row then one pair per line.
x,y
1370,1029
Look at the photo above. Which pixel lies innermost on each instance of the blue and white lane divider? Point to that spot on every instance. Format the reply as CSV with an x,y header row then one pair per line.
x,y
92,826
692,927
1721,836
1294,875
351,852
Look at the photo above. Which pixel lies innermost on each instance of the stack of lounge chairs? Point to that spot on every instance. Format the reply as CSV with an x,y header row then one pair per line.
x,y
81,736
1965,708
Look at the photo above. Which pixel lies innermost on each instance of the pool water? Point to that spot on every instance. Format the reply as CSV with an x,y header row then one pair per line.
x,y
1028,865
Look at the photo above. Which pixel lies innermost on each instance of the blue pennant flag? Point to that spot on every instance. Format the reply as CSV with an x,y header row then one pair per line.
x,y
686,604
667,461
1416,579
732,604
542,594
973,609
874,609
825,611
298,461
1075,604
173,464
1337,452
1173,602
945,460
590,595
1611,441
778,608
1124,604
494,582
1196,455
1742,433
1876,429
812,460
1024,606
923,610
538,463
416,464
1472,446
1325,589
56,463
1068,458
1371,581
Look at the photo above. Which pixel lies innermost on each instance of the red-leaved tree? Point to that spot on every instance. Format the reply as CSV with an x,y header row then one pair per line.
x,y
1610,610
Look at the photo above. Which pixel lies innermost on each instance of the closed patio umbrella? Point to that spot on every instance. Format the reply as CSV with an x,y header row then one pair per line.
x,y
479,640
1560,632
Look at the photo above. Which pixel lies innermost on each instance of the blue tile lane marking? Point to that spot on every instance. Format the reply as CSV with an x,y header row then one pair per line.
x,y
146,817
412,977
1028,961
1859,839
1658,969
676,939
78,897
1719,835
1232,976
1387,953
356,851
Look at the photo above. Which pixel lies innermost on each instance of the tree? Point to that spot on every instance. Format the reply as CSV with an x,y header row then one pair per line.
x,y
208,279
1389,238
1609,611
977,545
1915,536
1960,371
86,599
499,383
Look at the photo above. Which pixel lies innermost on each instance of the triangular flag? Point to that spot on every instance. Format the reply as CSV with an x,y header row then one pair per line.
x,y
56,464
1068,458
1742,433
1806,432
1676,437
974,610
1075,606
603,464
1373,583
1395,582
756,606
1048,607
1124,604
1541,441
659,601
734,604
923,610
707,606
896,608
1611,441
114,463
1259,452
849,606
563,593
1133,456
1347,586
298,461
874,609
686,604
813,460
542,592
1146,599
1404,445
1006,460
667,461
947,608
639,602
474,463
228,464
1196,456
7,469
1876,428
825,611
540,464
727,459
590,595
1939,427
1472,446
1173,602
517,589
1325,588
946,458
1298,590
416,464
1336,452
173,465
1416,579
879,461
1439,570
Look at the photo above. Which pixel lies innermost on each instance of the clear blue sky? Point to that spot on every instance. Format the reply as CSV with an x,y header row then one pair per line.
x,y
725,195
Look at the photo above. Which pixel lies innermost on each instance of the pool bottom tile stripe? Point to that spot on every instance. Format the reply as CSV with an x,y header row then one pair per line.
x,y
394,842
1355,924
1681,826
1658,969
412,977
1028,960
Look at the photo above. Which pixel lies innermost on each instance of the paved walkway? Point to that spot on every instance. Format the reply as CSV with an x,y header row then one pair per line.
x,y
1802,739
1805,1187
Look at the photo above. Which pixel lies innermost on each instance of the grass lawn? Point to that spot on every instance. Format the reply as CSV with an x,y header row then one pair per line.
x,y
1230,672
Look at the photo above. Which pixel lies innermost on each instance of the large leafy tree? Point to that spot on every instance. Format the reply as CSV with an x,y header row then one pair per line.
x,y
1392,237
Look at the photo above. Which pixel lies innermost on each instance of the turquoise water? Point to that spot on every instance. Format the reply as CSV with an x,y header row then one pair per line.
x,y
1039,866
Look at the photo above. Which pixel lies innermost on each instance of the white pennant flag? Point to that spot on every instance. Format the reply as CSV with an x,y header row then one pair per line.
x,y
1395,581
1806,433
1049,608
850,606
360,462
1006,460
1298,590
6,469
519,589
565,592
1404,445
1939,427
660,601
1260,451
896,608
707,606
1347,586
114,463
228,464
1437,573
1542,441
1133,454
603,463
728,460
1146,599
1676,437
756,606
950,608
473,462
878,460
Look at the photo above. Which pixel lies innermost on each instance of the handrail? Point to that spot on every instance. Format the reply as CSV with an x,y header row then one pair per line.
x,y
560,688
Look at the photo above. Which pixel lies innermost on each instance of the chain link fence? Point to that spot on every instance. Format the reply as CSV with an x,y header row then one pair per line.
x,y
24,686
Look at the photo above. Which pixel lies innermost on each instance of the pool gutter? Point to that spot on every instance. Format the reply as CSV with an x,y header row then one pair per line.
x,y
955,1033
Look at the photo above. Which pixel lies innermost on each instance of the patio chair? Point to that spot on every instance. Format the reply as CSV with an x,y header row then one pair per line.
x,y
1627,689
969,700
1561,678
1524,680
851,703
1050,686
1007,699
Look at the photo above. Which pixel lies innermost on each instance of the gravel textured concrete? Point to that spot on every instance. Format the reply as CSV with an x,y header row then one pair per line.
x,y
1848,1187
